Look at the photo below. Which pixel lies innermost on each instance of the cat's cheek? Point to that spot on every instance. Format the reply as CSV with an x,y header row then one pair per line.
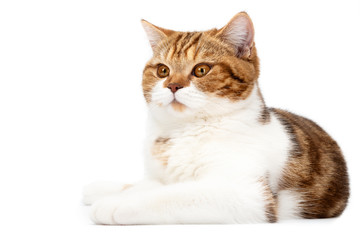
x,y
161,96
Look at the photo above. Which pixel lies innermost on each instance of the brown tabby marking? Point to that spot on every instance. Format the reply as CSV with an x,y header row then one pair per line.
x,y
271,202
264,117
149,74
159,149
227,79
316,168
192,45
230,77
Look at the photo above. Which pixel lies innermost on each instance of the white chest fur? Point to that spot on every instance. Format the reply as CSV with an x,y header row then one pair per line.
x,y
227,148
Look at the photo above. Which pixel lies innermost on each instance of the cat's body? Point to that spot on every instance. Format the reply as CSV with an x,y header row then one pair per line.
x,y
215,153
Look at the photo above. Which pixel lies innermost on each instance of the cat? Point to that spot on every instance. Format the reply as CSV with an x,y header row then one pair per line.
x,y
215,153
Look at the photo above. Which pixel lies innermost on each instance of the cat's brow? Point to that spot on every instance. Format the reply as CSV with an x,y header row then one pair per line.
x,y
150,66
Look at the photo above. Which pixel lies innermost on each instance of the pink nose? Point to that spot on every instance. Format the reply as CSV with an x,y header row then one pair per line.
x,y
174,87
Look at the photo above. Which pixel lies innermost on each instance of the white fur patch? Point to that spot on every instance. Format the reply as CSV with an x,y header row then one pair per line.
x,y
288,205
218,152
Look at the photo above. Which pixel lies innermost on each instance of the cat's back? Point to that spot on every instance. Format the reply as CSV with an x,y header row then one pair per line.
x,y
316,168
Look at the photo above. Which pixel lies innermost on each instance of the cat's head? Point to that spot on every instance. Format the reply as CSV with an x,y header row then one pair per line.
x,y
200,73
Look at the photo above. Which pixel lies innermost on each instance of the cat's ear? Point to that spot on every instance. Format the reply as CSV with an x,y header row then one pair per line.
x,y
155,34
239,33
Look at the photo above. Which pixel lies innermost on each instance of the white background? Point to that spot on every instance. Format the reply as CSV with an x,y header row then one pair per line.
x,y
72,110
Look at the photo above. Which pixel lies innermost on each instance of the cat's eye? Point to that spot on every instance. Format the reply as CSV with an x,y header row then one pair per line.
x,y
201,70
163,71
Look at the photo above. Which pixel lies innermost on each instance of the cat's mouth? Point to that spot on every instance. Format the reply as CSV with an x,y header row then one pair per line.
x,y
177,106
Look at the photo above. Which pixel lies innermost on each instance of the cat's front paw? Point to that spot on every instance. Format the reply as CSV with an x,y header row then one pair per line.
x,y
113,210
98,190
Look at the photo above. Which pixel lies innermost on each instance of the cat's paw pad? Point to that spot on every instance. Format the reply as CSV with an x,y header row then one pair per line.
x,y
98,190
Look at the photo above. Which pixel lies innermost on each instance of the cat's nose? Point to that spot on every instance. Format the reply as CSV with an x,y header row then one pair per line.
x,y
174,87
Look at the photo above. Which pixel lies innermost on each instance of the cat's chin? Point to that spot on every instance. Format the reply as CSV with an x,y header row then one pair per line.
x,y
177,106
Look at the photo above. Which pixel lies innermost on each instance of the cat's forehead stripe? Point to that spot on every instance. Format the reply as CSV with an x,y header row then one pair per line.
x,y
193,43
182,44
185,41
174,46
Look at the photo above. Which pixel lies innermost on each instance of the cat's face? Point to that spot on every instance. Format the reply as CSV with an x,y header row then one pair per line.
x,y
194,73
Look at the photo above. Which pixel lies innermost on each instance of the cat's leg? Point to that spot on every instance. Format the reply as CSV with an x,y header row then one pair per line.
x,y
97,190
187,203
